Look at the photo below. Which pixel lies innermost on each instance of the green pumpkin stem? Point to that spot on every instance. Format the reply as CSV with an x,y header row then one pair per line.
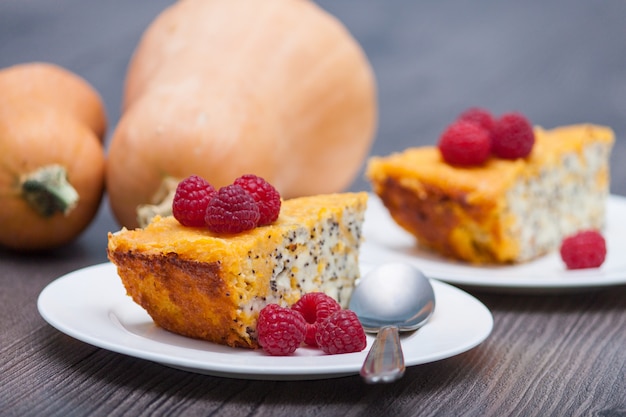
x,y
48,191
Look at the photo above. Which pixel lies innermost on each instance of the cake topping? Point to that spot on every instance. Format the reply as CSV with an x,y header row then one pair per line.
x,y
280,330
265,195
585,249
315,307
509,137
191,200
341,332
465,143
231,210
480,116
513,136
247,203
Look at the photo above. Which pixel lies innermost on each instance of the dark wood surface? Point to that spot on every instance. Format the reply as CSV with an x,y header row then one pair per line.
x,y
549,354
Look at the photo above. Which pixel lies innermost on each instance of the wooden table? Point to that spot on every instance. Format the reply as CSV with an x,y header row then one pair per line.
x,y
548,354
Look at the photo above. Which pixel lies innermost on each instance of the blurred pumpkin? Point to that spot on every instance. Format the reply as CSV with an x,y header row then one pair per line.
x,y
52,124
220,88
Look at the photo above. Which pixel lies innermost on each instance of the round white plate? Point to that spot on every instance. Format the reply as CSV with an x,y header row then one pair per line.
x,y
91,305
385,240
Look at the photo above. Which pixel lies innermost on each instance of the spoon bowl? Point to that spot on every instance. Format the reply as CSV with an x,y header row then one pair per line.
x,y
390,298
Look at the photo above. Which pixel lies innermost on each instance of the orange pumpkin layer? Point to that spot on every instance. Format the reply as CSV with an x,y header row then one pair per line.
x,y
207,286
502,211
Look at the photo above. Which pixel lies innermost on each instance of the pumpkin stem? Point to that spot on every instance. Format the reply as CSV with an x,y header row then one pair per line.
x,y
47,191
161,202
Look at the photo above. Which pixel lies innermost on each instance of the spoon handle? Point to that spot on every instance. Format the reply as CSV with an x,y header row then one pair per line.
x,y
385,361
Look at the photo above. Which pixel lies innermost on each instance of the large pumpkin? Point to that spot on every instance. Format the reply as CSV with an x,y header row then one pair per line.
x,y
220,88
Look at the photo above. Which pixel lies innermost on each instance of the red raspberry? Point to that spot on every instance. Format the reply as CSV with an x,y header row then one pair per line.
x,y
264,194
465,143
231,210
341,332
280,330
480,116
191,199
513,137
315,307
586,249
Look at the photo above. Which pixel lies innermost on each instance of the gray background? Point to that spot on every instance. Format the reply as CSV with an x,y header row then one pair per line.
x,y
559,62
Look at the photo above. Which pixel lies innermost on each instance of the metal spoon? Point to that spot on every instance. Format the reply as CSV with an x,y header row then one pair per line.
x,y
390,298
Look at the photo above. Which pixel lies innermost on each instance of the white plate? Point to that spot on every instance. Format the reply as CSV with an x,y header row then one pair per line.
x,y
385,240
91,305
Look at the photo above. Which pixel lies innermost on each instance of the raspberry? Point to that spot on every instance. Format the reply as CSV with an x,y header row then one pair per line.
x,y
231,210
513,136
586,249
465,143
191,199
264,194
315,307
480,116
341,332
280,330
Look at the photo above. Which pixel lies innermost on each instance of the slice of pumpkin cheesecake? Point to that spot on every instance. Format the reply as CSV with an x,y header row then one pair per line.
x,y
209,286
504,211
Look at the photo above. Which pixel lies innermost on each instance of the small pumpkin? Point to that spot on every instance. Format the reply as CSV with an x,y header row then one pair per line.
x,y
52,124
221,88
